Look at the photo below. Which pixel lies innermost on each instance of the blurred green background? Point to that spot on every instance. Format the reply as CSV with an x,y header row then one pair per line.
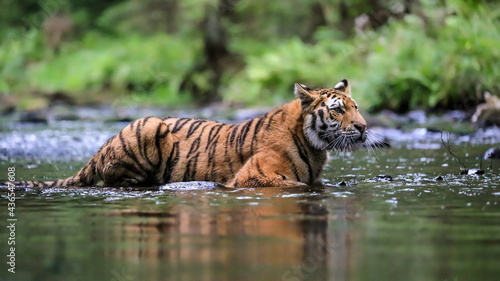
x,y
398,55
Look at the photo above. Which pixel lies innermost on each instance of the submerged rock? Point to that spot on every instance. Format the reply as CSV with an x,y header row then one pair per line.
x,y
191,185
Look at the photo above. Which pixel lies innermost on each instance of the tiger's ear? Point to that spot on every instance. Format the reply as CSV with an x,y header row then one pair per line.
x,y
343,86
302,92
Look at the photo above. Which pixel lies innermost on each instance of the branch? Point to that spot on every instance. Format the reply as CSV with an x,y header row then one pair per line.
x,y
447,145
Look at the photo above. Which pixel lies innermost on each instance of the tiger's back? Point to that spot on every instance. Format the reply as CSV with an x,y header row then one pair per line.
x,y
153,151
285,147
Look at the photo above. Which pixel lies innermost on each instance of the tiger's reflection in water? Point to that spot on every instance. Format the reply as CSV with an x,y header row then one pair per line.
x,y
289,235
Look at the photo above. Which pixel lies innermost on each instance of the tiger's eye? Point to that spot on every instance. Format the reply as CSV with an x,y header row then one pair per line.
x,y
338,110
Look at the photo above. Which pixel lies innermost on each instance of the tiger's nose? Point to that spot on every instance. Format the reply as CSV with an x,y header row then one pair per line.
x,y
360,127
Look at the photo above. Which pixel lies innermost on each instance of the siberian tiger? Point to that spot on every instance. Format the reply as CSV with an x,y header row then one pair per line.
x,y
285,147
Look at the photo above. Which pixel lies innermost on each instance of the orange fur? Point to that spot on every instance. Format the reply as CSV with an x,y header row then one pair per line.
x,y
285,147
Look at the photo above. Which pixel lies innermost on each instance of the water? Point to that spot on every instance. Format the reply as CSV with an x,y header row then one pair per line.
x,y
402,214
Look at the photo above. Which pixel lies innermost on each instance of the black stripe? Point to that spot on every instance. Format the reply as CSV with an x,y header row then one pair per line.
x,y
125,149
194,146
99,171
213,140
271,118
171,162
282,176
131,155
321,114
259,169
243,134
256,130
233,133
212,149
303,155
196,143
93,170
211,160
105,145
193,127
226,154
158,137
179,124
131,168
241,139
131,125
142,147
214,132
313,122
294,167
193,160
191,168
145,146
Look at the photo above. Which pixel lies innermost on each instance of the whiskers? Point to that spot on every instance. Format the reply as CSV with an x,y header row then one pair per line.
x,y
374,142
342,142
347,142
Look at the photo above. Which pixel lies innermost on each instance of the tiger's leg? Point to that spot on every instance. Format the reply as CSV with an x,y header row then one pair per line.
x,y
136,155
266,170
116,170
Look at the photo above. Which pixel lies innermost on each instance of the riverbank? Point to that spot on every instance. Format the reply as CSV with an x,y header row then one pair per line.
x,y
454,120
76,133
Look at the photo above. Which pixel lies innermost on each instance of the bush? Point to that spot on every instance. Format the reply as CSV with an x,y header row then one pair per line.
x,y
440,56
130,64
406,64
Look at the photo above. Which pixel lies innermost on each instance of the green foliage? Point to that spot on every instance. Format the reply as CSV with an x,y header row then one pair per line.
x,y
406,64
410,67
127,64
440,55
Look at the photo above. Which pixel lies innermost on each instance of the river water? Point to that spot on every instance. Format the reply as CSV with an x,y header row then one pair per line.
x,y
403,213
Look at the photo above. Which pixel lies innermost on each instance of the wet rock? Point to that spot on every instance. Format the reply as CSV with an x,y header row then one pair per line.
x,y
492,153
383,120
35,116
487,114
417,116
61,112
191,185
383,178
99,113
456,115
395,120
439,178
472,172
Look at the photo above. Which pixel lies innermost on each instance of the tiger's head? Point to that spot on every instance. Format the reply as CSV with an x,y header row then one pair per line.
x,y
331,117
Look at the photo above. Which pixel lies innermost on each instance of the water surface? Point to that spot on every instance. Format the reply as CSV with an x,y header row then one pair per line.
x,y
404,213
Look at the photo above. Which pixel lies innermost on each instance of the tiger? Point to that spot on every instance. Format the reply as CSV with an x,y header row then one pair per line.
x,y
288,146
